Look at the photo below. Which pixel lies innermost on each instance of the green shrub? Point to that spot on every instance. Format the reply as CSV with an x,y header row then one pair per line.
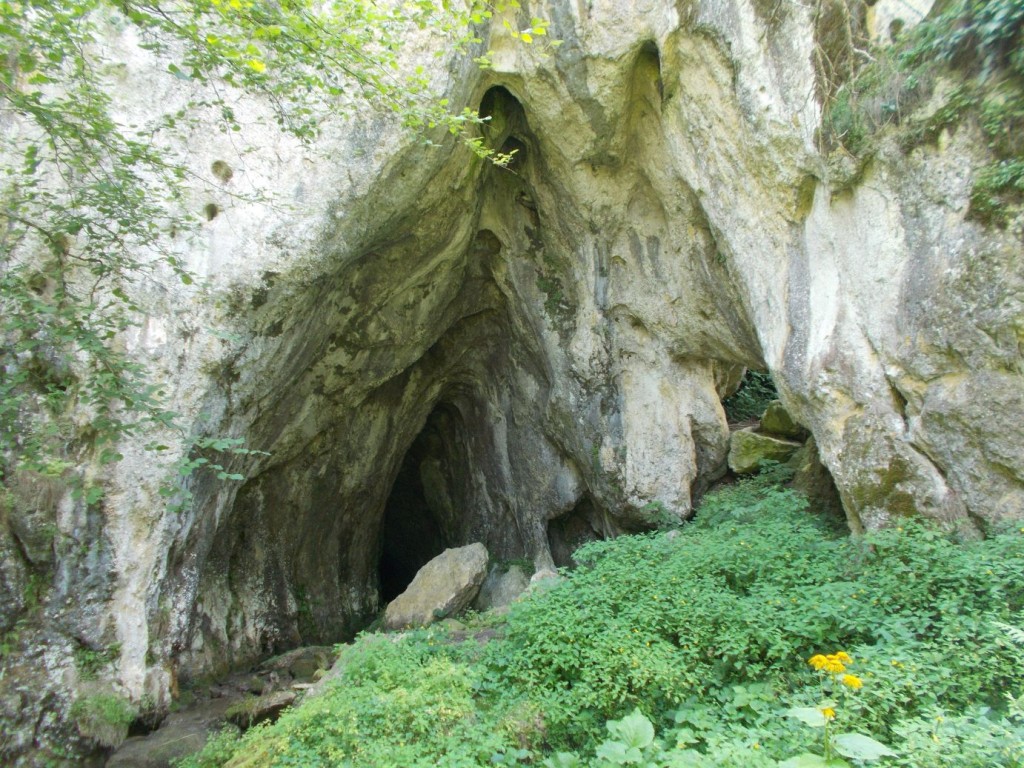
x,y
704,633
401,701
994,187
103,717
91,661
749,401
971,740
979,43
973,35
219,749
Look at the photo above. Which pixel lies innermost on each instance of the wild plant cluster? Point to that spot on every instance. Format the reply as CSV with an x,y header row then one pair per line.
x,y
974,45
757,635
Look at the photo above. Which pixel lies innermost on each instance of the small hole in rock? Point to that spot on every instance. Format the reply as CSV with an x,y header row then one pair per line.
x,y
222,170
211,210
570,531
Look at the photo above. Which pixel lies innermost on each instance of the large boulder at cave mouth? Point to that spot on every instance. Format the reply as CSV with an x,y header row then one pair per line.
x,y
748,450
776,421
501,587
441,588
181,734
255,710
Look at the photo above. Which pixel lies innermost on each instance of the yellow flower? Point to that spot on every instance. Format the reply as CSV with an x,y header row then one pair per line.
x,y
852,681
833,665
844,657
829,713
817,661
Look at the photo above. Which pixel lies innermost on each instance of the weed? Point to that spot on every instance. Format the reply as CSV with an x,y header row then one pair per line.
x,y
689,648
834,679
657,515
91,661
979,44
218,751
551,287
103,717
995,186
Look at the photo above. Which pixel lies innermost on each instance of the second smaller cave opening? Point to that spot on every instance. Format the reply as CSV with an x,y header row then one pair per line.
x,y
411,534
750,398
570,531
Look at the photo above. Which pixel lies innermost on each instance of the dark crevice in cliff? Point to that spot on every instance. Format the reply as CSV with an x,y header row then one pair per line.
x,y
411,532
570,531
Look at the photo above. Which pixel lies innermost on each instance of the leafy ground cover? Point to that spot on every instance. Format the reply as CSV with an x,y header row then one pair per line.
x,y
756,635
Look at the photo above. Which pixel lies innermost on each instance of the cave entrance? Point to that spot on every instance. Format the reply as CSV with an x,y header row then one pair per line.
x,y
413,529
570,531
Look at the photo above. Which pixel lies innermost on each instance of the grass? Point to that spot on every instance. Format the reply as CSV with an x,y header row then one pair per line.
x,y
103,717
704,634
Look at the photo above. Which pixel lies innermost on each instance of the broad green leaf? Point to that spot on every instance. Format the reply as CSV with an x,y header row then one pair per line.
x,y
812,716
617,753
634,729
176,71
808,760
857,746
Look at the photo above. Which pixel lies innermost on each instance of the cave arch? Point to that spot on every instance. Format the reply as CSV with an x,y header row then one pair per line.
x,y
647,69
506,127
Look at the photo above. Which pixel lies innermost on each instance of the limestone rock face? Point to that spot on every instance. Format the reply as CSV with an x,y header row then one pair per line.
x,y
749,449
442,588
428,351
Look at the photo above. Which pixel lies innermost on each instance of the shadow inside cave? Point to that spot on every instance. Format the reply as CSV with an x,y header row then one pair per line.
x,y
412,530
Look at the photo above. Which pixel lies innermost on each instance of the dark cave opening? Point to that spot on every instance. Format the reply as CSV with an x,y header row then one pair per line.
x,y
411,531
570,531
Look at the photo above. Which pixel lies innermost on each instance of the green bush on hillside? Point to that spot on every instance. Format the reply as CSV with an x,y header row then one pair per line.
x,y
705,633
977,43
